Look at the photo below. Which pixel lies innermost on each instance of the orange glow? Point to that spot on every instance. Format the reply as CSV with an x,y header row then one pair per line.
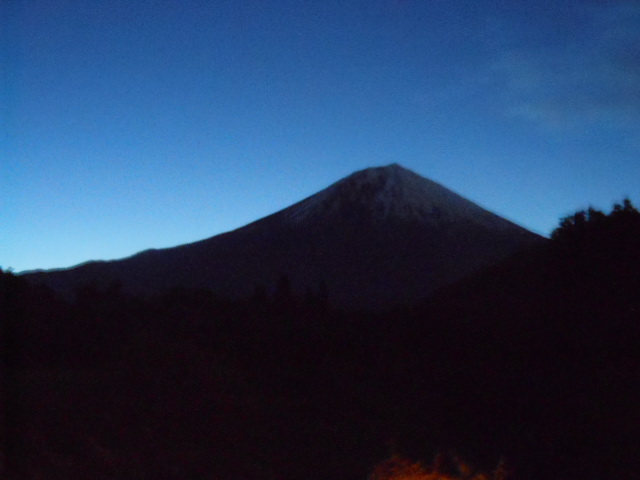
x,y
400,468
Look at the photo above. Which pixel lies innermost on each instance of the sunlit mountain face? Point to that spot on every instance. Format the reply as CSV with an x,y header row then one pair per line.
x,y
380,237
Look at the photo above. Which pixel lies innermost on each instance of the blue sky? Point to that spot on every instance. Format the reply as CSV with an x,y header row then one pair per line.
x,y
129,125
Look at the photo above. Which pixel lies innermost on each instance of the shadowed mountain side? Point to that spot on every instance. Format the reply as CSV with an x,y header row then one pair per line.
x,y
380,237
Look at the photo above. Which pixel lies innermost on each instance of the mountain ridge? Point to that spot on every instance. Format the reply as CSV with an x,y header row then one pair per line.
x,y
390,190
378,237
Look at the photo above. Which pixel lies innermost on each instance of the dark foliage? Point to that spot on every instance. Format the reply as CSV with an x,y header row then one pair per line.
x,y
534,359
547,347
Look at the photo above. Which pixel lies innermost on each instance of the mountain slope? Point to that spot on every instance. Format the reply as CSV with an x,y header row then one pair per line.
x,y
378,237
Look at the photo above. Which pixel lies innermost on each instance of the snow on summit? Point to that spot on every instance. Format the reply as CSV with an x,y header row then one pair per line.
x,y
393,192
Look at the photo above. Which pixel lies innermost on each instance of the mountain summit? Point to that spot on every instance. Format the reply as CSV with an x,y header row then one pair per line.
x,y
393,192
379,237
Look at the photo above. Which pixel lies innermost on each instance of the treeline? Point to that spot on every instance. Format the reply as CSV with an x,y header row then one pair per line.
x,y
182,384
533,361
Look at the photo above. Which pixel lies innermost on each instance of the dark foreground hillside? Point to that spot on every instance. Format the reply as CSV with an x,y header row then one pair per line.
x,y
551,340
534,362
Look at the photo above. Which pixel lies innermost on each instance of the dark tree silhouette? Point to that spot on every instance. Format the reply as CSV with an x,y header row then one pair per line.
x,y
589,223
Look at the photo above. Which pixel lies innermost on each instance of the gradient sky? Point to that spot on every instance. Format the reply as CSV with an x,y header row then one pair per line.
x,y
129,125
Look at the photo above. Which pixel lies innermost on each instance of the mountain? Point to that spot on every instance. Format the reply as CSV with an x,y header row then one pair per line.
x,y
379,237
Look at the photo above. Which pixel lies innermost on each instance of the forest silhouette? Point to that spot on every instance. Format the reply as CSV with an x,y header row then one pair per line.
x,y
533,360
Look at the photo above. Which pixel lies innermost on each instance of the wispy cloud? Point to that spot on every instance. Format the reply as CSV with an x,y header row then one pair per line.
x,y
590,78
